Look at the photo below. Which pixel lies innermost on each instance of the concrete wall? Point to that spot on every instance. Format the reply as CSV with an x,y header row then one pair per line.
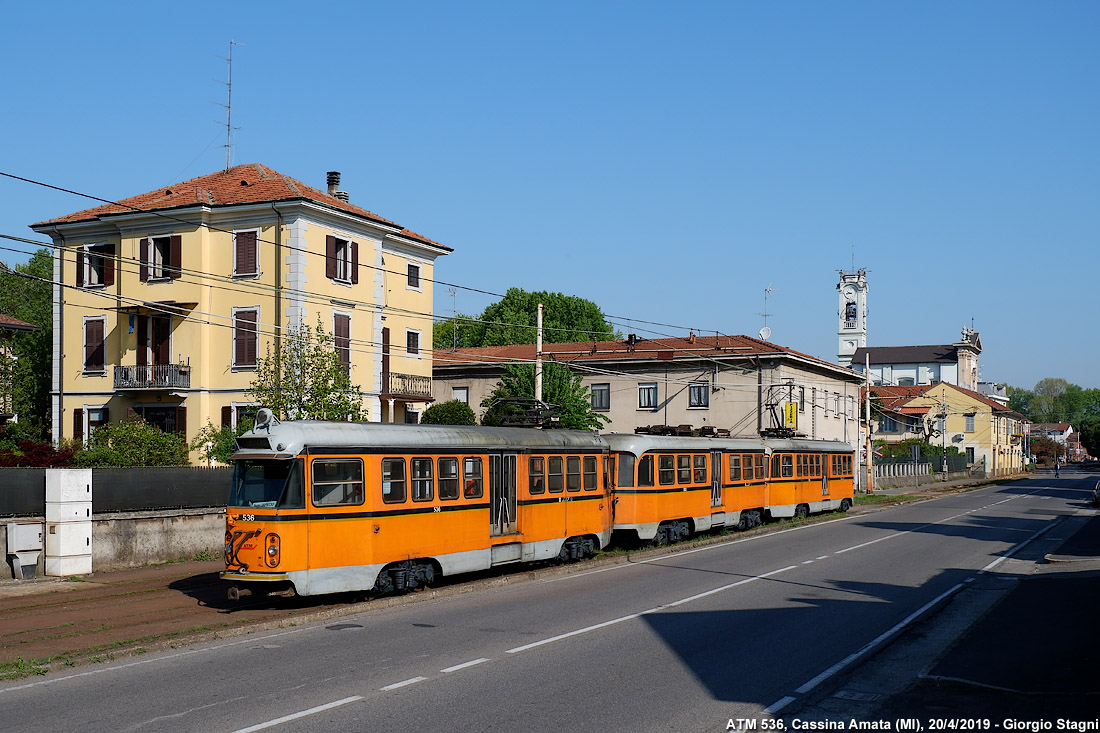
x,y
132,539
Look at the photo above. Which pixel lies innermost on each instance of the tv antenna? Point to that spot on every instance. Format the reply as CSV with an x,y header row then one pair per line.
x,y
229,104
766,332
454,320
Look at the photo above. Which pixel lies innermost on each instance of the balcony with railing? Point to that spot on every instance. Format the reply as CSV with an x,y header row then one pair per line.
x,y
406,386
153,376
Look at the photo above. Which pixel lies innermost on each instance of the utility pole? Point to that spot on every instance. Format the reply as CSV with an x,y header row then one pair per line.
x,y
867,447
538,357
943,430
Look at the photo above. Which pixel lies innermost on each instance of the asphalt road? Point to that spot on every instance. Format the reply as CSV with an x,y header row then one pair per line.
x,y
685,641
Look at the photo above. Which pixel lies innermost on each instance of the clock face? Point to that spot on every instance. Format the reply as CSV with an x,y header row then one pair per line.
x,y
849,290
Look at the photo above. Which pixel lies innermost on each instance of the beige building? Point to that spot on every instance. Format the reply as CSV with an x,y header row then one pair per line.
x,y
988,433
165,301
735,383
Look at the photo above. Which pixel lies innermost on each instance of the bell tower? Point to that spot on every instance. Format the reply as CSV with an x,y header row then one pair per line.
x,y
852,315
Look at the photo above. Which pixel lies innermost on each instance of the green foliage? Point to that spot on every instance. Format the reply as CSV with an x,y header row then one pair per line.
x,y
304,379
559,387
904,449
1090,434
26,294
514,319
219,443
20,448
454,412
1046,450
1056,401
132,442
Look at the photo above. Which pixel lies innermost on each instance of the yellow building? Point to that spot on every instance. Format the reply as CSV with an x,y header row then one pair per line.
x,y
987,432
164,302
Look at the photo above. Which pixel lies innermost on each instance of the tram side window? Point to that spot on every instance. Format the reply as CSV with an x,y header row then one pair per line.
x,y
683,469
666,470
700,469
536,472
423,488
758,459
471,469
573,473
590,465
787,465
393,480
626,470
817,465
735,468
554,480
337,482
645,471
448,478
801,467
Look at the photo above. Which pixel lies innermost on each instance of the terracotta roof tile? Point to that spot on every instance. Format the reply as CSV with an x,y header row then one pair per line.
x,y
242,184
655,349
7,323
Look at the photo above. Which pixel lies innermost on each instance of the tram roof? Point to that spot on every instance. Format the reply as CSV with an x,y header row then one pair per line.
x,y
638,443
289,438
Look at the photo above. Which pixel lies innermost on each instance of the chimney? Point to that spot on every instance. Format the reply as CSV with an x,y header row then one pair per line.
x,y
343,196
333,182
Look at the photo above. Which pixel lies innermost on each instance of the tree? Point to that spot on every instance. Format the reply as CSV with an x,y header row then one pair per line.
x,y
1019,400
559,387
454,412
1090,434
304,379
514,320
132,442
219,443
1045,449
26,293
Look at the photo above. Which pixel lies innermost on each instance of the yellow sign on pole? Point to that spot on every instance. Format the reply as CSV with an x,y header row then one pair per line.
x,y
790,415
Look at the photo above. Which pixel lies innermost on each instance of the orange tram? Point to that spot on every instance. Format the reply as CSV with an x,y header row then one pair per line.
x,y
325,507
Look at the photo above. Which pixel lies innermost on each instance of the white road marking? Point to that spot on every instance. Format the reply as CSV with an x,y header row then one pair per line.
x,y
632,616
403,683
779,704
302,714
464,665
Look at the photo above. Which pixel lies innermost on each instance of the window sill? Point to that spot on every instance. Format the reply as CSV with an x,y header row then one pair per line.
x,y
247,275
243,368
94,373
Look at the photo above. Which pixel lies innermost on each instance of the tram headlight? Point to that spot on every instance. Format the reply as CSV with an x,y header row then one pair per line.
x,y
271,556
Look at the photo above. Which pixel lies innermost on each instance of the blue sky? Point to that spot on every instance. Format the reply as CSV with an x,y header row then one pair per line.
x,y
667,160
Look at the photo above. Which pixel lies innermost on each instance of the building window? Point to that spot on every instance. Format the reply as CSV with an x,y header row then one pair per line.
x,y
341,333
887,424
801,399
906,381
412,342
836,405
341,259
414,277
461,394
647,396
699,395
970,423
160,257
95,266
412,417
601,397
95,330
245,260
245,337
969,455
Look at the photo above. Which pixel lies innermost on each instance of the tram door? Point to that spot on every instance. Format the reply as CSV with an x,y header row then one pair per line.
x,y
824,474
502,494
716,478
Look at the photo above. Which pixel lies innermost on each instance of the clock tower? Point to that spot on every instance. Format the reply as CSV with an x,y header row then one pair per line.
x,y
852,315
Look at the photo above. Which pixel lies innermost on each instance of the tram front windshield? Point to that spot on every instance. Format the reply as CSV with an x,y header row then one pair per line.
x,y
267,485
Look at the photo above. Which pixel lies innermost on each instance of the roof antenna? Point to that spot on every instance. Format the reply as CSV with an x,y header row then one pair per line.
x,y
765,332
229,104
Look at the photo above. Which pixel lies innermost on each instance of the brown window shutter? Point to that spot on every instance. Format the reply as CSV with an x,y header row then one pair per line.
x,y
93,345
142,340
355,262
175,256
80,268
385,356
143,259
330,256
78,424
246,253
181,419
227,416
244,337
342,328
106,415
109,265
162,328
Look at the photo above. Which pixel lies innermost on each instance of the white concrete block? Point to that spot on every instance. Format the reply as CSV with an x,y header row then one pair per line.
x,y
68,484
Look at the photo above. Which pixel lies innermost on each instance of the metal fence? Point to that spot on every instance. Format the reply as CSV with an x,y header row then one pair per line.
x,y
23,490
954,462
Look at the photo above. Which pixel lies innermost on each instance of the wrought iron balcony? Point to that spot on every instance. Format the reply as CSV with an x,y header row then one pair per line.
x,y
407,385
153,376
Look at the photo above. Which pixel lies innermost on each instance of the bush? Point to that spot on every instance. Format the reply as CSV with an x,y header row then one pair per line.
x,y
34,454
223,440
454,412
132,442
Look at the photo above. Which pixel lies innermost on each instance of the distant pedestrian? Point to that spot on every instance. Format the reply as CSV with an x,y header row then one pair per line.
x,y
1055,469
